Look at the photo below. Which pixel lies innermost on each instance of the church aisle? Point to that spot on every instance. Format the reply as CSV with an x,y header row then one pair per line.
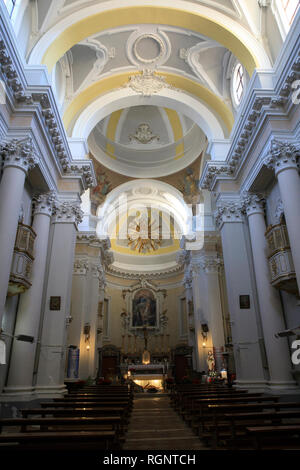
x,y
154,425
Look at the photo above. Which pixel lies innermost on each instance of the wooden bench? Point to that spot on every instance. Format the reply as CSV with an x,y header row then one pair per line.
x,y
75,412
273,433
231,427
45,424
92,440
212,418
207,409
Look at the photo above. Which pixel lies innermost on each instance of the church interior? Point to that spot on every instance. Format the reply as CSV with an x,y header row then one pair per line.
x,y
149,224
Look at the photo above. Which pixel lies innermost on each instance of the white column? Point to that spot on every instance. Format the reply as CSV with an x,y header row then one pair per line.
x,y
283,159
212,266
277,350
248,360
52,360
78,304
197,283
19,157
28,316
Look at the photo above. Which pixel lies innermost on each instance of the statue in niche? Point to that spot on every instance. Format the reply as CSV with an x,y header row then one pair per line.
x,y
210,361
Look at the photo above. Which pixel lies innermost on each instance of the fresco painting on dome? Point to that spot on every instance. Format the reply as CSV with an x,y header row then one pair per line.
x,y
190,187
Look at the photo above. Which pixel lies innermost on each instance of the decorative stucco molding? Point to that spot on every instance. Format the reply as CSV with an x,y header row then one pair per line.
x,y
147,83
282,155
228,211
253,203
67,212
43,203
19,153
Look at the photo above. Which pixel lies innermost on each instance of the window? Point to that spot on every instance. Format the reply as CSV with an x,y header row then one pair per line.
x,y
290,8
10,5
238,83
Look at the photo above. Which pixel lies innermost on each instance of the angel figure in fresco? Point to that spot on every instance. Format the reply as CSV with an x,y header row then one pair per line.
x,y
191,189
103,186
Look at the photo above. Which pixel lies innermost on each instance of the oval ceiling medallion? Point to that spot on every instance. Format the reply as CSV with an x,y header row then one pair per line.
x,y
148,47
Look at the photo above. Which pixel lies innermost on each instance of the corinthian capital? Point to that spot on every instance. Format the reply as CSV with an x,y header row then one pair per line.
x,y
228,211
253,203
19,154
81,266
212,264
67,212
43,204
282,156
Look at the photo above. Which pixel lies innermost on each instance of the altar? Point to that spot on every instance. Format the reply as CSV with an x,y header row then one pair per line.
x,y
147,375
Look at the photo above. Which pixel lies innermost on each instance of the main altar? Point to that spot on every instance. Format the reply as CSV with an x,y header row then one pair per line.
x,y
147,375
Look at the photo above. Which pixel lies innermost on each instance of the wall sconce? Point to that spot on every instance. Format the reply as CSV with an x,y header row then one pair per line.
x,y
205,329
86,332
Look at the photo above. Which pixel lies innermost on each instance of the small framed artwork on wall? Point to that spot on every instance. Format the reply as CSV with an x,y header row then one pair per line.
x,y
244,301
55,302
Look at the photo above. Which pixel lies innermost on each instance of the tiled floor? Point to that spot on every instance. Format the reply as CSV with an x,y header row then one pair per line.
x,y
155,425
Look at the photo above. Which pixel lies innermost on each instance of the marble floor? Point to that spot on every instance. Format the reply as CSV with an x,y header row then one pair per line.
x,y
154,425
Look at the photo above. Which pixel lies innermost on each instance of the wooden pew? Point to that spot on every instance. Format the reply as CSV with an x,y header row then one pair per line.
x,y
213,420
64,423
75,412
207,408
238,422
276,436
91,440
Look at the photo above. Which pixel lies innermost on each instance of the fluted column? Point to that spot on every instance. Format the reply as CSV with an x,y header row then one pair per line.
x,y
283,159
19,157
50,375
28,316
277,350
244,323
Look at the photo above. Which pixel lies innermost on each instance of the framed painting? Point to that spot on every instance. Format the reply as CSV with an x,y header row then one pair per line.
x,y
144,309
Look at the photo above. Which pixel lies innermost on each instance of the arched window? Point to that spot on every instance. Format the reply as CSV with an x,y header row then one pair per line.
x,y
238,83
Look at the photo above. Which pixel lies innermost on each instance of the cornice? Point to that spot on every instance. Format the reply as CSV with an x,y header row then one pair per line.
x,y
162,274
260,104
40,99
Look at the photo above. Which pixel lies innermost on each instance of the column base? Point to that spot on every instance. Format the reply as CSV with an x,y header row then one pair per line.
x,y
254,385
19,393
23,393
50,391
282,388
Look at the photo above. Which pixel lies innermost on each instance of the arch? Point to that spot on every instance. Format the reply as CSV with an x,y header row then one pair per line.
x,y
124,196
83,118
199,18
